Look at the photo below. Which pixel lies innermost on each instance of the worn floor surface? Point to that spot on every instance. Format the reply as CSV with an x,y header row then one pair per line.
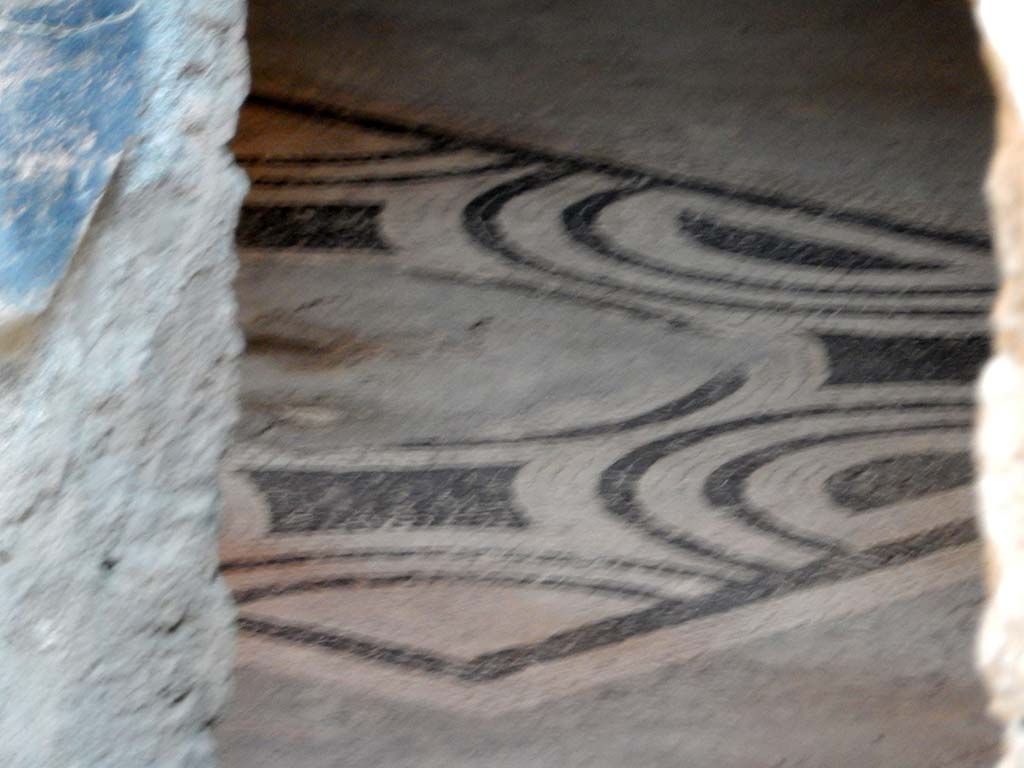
x,y
608,386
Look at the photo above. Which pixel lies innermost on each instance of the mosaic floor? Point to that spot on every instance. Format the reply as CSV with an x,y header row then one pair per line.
x,y
522,426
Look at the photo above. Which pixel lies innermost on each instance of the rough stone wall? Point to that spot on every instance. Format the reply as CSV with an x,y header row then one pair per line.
x,y
1000,435
115,630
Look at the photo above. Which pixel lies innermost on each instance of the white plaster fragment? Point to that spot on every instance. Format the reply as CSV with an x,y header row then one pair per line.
x,y
1002,23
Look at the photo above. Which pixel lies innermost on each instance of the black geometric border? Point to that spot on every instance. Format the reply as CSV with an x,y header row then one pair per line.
x,y
543,168
477,669
618,483
618,491
617,629
444,141
451,554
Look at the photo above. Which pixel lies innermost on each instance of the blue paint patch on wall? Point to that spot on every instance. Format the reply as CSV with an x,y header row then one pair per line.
x,y
69,102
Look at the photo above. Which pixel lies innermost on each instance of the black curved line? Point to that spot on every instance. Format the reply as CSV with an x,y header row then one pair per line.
x,y
478,669
616,629
364,648
959,237
560,558
580,222
342,158
675,613
321,110
946,471
725,487
418,577
767,245
618,483
398,178
672,322
480,220
711,392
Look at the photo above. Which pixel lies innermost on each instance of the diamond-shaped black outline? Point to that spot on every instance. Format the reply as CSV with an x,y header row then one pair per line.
x,y
663,614
488,666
